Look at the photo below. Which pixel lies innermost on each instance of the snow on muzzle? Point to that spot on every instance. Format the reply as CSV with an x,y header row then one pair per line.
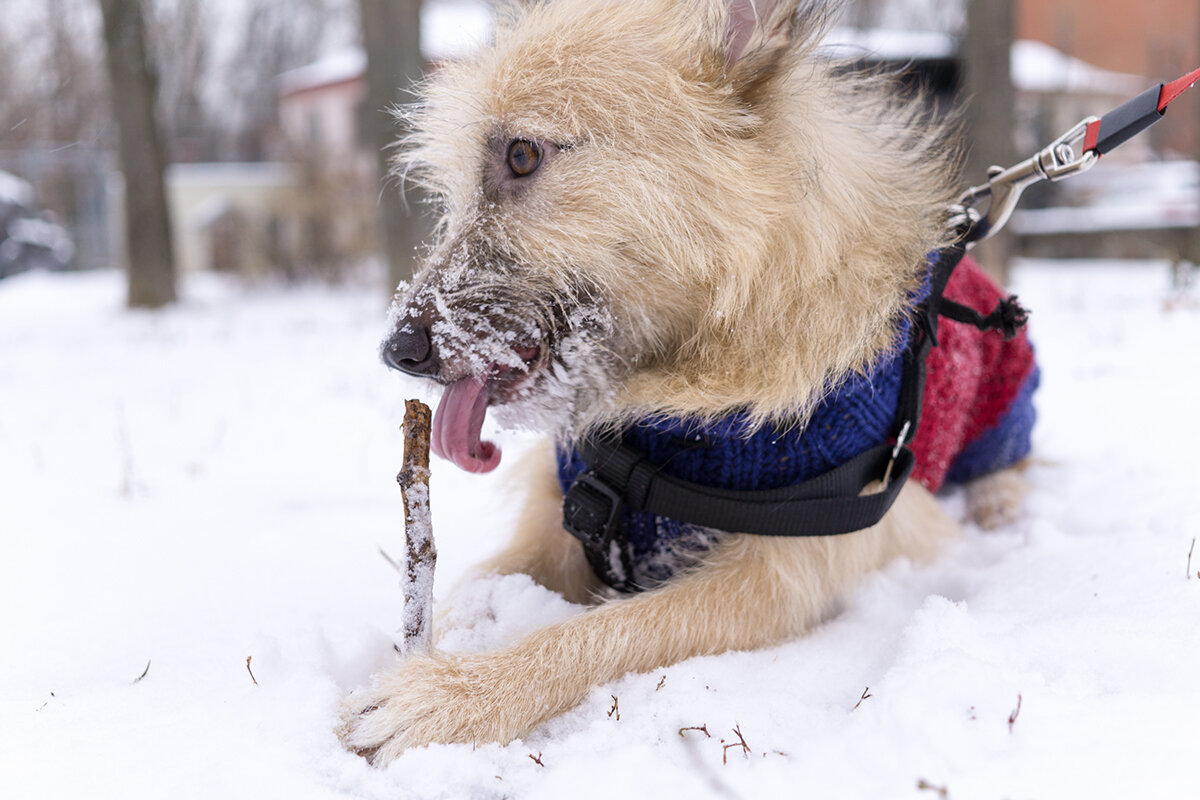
x,y
458,419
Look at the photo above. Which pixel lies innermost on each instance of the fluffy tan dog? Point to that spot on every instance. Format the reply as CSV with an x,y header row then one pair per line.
x,y
652,207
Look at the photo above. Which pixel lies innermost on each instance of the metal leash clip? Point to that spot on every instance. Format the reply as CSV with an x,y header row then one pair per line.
x,y
1054,162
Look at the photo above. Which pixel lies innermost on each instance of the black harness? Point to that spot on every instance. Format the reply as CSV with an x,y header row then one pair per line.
x,y
620,475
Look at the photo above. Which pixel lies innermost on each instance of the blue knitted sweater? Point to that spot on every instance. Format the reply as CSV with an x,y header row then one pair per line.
x,y
977,417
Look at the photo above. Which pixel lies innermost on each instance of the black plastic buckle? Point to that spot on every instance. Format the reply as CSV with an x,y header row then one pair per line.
x,y
590,512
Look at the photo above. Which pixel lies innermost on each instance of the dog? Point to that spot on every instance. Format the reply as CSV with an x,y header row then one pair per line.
x,y
681,220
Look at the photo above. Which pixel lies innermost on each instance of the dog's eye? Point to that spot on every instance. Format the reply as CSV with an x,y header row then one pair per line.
x,y
524,157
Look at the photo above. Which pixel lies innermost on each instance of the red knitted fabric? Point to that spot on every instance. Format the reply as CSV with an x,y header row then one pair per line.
x,y
971,380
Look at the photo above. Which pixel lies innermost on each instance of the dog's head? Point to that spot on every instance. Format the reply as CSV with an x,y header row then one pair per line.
x,y
639,211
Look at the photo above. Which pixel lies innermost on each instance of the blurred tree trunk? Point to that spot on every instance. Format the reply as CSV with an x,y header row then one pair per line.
x,y
990,102
392,38
147,219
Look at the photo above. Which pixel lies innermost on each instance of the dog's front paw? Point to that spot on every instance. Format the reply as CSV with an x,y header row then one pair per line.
x,y
428,699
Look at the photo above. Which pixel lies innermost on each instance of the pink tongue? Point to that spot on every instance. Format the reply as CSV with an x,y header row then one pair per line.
x,y
456,426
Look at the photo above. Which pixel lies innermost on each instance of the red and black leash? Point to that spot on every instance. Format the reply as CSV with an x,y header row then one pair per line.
x,y
1131,118
1058,160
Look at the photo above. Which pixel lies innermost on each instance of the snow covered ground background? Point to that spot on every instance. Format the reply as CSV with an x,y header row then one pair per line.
x,y
195,486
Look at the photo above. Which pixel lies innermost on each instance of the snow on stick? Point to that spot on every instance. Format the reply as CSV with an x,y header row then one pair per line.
x,y
417,578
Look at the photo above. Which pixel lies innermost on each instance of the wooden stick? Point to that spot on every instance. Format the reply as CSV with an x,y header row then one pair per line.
x,y
417,579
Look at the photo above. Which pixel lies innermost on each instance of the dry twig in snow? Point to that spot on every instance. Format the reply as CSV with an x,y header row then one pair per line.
x,y
926,786
1015,713
417,579
741,742
702,728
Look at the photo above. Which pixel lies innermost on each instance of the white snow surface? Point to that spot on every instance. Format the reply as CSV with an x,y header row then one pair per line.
x,y
1038,67
14,190
889,43
198,485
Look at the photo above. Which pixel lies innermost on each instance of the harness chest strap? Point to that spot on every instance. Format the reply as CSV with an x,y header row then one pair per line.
x,y
620,476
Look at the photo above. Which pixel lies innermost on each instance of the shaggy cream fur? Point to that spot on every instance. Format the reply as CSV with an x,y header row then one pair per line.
x,y
742,221
792,201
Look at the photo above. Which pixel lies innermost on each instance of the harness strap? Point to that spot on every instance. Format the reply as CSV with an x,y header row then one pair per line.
x,y
1007,317
848,498
620,476
924,337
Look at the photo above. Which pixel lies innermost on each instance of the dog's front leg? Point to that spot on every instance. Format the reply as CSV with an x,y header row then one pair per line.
x,y
503,695
751,592
541,548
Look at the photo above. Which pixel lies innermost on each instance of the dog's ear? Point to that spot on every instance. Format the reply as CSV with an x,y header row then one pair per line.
x,y
745,22
754,38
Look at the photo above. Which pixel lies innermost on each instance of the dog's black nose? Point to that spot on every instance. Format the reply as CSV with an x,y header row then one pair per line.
x,y
410,349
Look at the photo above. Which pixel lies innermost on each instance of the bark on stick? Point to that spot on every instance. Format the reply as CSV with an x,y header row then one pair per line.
x,y
417,580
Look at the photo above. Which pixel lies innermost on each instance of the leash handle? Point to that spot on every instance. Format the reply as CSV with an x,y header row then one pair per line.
x,y
1094,136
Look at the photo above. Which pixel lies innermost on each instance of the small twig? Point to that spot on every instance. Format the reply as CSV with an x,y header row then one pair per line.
x,y
1189,566
741,742
925,785
43,705
1015,713
705,771
866,693
702,728
615,708
661,682
537,759
145,672
250,670
417,579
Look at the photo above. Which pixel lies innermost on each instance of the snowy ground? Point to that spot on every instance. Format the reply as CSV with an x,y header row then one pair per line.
x,y
193,487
